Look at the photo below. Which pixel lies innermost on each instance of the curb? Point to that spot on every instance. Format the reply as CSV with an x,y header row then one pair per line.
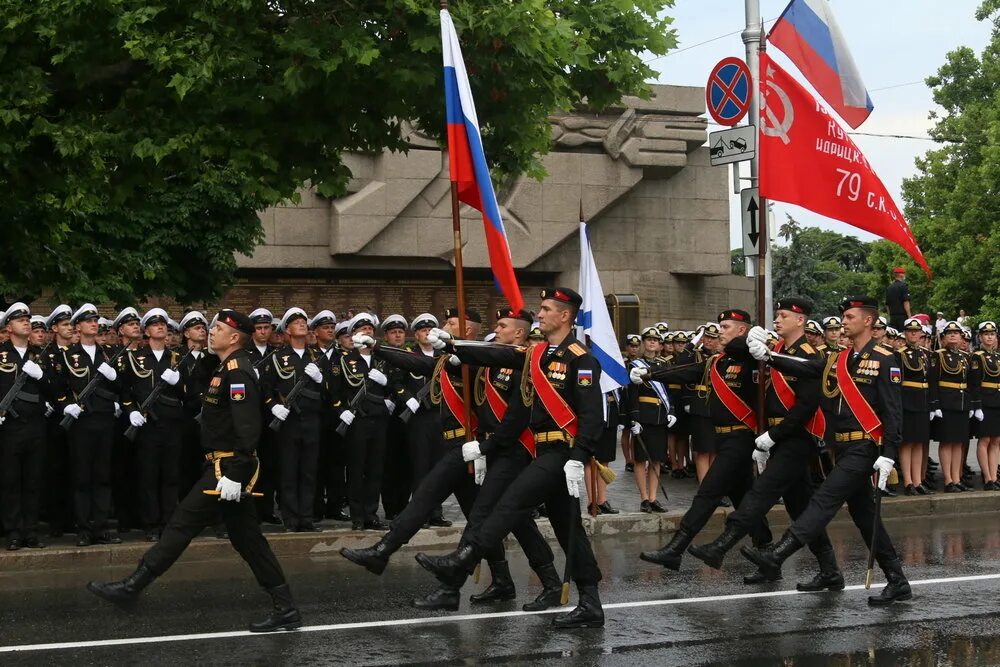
x,y
329,542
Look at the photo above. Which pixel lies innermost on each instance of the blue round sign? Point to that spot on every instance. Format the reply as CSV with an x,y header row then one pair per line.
x,y
727,94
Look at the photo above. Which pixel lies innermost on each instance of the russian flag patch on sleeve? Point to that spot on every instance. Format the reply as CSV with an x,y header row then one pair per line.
x,y
895,375
584,377
237,392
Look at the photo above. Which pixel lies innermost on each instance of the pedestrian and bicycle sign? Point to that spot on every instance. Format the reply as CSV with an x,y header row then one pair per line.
x,y
735,144
728,92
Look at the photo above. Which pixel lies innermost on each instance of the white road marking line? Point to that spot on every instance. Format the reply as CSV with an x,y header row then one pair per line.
x,y
453,619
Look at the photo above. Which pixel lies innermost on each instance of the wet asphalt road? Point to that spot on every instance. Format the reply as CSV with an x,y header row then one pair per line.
x,y
697,616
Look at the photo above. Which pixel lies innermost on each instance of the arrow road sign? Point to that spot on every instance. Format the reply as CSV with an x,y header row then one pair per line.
x,y
733,145
750,208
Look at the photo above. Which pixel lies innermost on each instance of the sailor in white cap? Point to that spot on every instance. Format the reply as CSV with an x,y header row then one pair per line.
x,y
126,327
343,333
397,474
38,335
323,325
92,434
263,327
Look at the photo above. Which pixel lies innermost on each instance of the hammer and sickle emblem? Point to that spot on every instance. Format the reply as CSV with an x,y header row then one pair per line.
x,y
773,127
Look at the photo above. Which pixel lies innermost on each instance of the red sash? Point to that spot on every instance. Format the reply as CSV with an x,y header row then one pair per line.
x,y
455,403
736,405
817,425
863,412
557,408
499,408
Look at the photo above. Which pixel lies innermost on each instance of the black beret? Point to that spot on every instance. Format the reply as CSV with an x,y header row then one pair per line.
x,y
236,320
523,315
563,294
471,314
858,302
800,306
736,315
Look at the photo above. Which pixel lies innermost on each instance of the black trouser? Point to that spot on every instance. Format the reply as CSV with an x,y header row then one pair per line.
x,y
502,469
90,442
365,443
426,445
396,473
336,489
196,512
192,456
270,468
125,494
298,449
450,475
58,502
787,476
322,469
850,481
730,475
543,481
23,458
158,451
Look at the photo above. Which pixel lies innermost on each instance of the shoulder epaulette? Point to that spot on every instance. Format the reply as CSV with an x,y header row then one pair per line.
x,y
881,350
807,348
577,350
232,364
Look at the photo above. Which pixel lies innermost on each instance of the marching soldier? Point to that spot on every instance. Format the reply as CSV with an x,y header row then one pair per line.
x,y
298,437
988,380
92,433
861,387
22,436
231,425
651,413
953,401
160,426
732,381
915,439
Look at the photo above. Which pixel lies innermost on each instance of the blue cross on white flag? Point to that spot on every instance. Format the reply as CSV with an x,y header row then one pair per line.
x,y
594,321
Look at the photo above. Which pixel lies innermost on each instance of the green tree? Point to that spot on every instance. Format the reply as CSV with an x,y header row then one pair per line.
x,y
952,203
138,138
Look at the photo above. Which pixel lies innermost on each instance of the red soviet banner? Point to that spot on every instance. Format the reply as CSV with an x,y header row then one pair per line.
x,y
808,159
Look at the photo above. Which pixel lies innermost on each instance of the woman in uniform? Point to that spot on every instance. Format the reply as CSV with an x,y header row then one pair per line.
x,y
951,404
987,369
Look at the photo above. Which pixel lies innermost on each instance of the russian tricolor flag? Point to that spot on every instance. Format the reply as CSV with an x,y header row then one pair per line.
x,y
468,162
808,34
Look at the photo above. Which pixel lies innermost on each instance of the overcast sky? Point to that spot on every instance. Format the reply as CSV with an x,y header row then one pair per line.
x,y
893,42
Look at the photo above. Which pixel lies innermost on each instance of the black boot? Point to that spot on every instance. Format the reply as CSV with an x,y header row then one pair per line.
x,y
762,577
456,565
374,558
588,612
770,559
284,616
502,586
551,591
125,592
445,597
896,586
670,555
712,553
829,577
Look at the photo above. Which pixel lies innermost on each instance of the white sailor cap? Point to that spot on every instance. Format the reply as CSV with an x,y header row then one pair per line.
x,y
913,324
154,316
62,312
262,316
362,319
424,320
321,318
342,328
173,325
15,311
193,318
291,314
126,315
38,322
927,330
832,322
394,321
87,311
104,324
882,322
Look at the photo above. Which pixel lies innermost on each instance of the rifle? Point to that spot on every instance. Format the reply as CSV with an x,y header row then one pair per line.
x,y
67,421
8,400
293,395
407,414
256,367
144,407
362,392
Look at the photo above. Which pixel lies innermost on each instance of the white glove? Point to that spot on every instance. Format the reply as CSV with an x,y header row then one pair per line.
x,y
378,377
764,441
697,339
390,405
971,412
228,489
470,450
671,420
118,410
136,419
170,376
413,404
636,428
978,414
453,360
758,350
107,372
479,467
760,458
937,414
73,410
2,420
312,370
438,338
280,411
758,334
621,427
33,370
884,467
362,340
574,475
347,417
637,375
49,409
687,409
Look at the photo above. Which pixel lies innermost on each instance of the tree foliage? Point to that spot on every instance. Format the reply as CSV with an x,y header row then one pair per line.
x,y
138,138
